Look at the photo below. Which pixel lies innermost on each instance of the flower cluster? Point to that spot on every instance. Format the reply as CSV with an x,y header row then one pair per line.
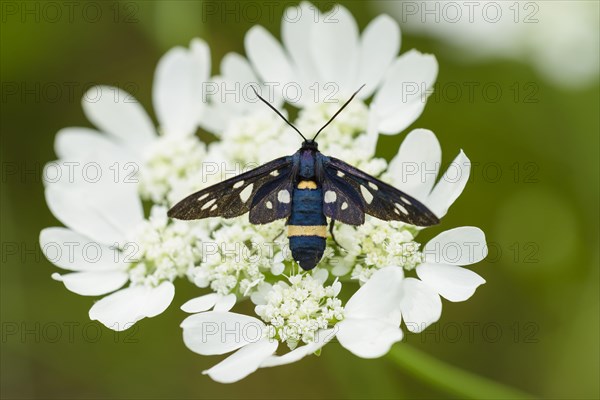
x,y
298,310
142,256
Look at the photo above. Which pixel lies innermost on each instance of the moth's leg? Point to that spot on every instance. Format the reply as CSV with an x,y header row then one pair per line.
x,y
331,224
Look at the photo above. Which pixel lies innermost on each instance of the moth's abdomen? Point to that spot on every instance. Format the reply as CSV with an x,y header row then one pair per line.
x,y
307,226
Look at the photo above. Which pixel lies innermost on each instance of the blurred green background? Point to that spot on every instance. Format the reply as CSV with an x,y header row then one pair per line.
x,y
534,190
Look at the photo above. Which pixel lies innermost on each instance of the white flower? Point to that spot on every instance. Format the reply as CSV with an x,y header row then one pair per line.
x,y
442,274
127,134
415,169
107,243
370,326
559,38
328,60
212,301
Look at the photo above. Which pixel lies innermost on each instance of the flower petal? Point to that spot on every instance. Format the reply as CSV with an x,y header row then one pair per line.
x,y
452,282
200,304
88,144
415,168
379,45
421,306
225,303
69,250
378,298
334,47
93,283
243,362
119,114
295,29
403,93
322,337
102,212
268,57
450,186
459,246
122,309
368,338
177,95
200,52
217,332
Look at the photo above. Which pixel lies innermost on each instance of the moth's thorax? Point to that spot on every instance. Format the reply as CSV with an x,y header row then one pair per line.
x,y
307,163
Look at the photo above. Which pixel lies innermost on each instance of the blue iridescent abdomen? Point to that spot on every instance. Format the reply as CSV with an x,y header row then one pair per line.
x,y
307,225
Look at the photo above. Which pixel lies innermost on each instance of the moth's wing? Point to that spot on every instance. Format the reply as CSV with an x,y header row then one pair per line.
x,y
380,199
273,200
231,197
341,202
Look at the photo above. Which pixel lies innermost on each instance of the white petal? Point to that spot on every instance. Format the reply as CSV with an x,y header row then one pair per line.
x,y
452,282
175,94
267,57
70,250
237,75
450,186
459,246
403,93
118,113
93,283
88,144
334,47
415,167
200,304
104,213
200,52
379,297
368,338
379,45
320,274
243,362
322,337
295,29
122,309
225,303
217,332
421,306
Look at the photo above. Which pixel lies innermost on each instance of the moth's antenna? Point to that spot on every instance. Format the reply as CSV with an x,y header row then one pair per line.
x,y
278,113
339,111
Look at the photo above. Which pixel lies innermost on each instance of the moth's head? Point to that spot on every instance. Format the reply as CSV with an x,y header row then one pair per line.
x,y
310,144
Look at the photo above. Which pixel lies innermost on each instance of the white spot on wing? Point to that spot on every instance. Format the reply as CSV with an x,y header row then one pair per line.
x,y
213,208
245,194
401,208
366,194
344,205
238,184
269,205
405,200
340,174
274,173
330,196
373,186
283,196
208,204
205,195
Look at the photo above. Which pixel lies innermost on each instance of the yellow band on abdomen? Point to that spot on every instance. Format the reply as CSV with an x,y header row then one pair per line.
x,y
311,185
308,230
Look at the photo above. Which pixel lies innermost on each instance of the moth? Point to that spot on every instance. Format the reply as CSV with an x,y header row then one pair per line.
x,y
306,188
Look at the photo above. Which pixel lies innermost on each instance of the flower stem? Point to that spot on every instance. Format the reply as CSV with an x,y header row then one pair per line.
x,y
450,379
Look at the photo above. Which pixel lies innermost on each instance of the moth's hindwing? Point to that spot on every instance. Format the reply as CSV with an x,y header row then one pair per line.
x,y
378,198
341,202
231,197
273,199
